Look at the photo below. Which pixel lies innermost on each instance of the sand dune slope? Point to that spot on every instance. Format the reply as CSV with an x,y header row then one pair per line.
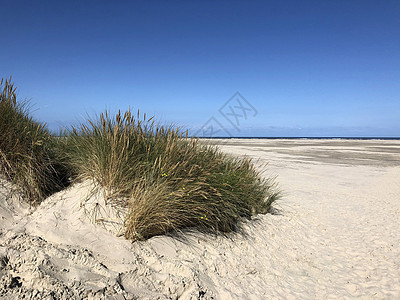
x,y
333,235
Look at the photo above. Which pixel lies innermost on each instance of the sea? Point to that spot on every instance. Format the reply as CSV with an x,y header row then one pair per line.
x,y
304,138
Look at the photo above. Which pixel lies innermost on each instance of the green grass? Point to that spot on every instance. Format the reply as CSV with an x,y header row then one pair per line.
x,y
26,155
164,180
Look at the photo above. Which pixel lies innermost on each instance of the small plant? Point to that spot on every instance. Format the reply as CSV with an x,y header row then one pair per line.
x,y
26,156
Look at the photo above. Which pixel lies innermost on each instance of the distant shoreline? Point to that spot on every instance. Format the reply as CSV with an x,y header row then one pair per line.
x,y
305,138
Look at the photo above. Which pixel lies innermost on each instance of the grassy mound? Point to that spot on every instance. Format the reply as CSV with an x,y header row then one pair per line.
x,y
165,180
26,156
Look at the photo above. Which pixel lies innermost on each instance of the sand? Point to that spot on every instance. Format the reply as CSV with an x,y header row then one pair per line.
x,y
333,235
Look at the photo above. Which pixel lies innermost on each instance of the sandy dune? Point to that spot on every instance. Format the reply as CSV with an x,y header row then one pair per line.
x,y
334,235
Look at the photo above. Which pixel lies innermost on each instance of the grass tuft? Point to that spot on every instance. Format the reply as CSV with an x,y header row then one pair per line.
x,y
166,180
26,156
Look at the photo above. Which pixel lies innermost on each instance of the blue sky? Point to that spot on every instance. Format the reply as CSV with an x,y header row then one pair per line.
x,y
308,68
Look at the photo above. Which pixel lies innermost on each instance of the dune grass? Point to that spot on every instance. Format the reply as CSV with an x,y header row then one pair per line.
x,y
164,180
167,181
26,156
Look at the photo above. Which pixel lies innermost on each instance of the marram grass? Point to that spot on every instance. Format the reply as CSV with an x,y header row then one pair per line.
x,y
26,153
164,180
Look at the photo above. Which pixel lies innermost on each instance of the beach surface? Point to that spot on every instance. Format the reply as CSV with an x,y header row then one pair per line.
x,y
334,234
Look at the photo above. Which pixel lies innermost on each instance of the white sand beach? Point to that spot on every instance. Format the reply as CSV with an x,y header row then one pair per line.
x,y
333,235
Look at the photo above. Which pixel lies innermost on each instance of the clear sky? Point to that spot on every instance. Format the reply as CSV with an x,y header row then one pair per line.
x,y
305,68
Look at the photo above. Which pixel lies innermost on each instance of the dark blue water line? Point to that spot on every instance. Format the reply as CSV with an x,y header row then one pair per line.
x,y
305,138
